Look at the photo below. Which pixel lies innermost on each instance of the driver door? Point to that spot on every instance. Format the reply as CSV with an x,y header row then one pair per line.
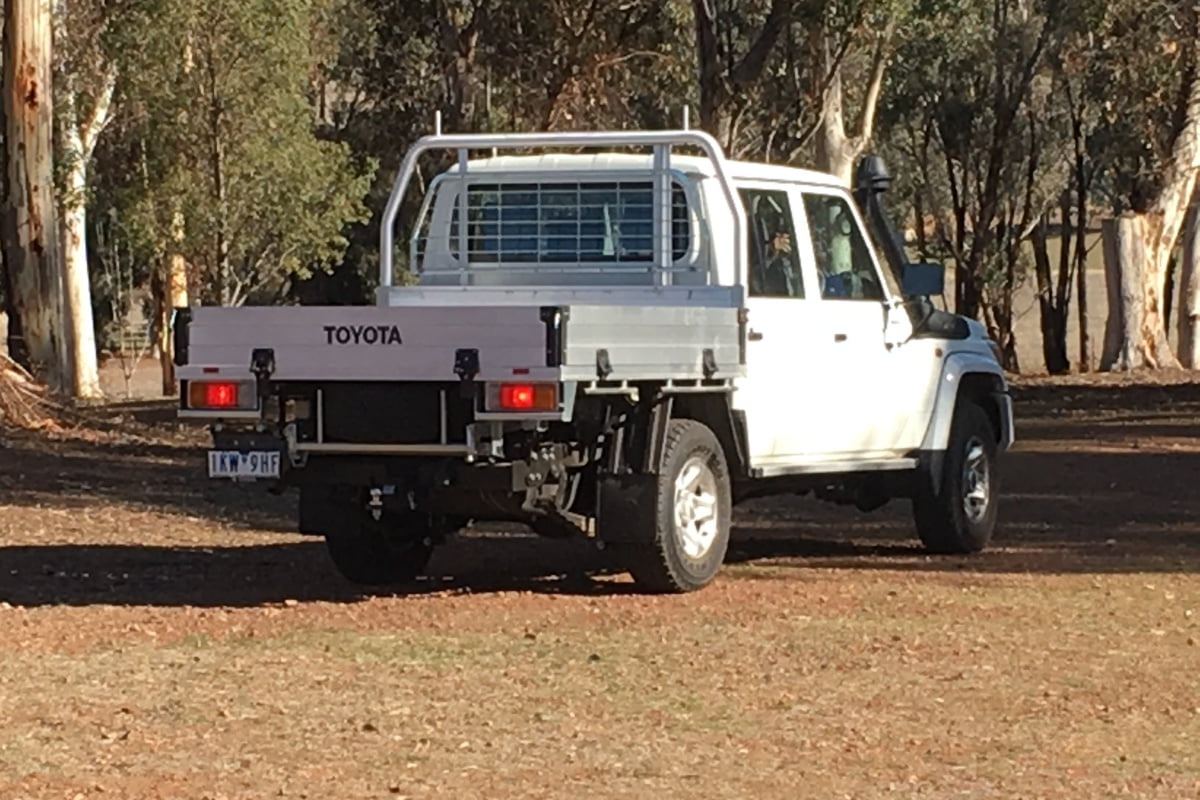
x,y
879,388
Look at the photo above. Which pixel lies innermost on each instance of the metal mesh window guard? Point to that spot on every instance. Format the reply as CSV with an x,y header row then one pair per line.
x,y
562,225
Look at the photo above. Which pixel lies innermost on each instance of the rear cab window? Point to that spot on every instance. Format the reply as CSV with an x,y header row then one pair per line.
x,y
566,224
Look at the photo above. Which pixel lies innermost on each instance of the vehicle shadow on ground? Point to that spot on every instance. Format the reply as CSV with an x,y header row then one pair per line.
x,y
775,542
255,575
1066,510
1136,395
1009,554
1076,511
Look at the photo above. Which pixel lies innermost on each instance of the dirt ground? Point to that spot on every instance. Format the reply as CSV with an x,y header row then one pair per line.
x,y
163,637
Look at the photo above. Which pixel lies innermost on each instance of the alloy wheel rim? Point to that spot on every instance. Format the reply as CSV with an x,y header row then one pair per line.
x,y
976,481
696,508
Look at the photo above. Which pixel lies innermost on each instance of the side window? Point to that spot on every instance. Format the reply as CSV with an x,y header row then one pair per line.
x,y
774,265
844,264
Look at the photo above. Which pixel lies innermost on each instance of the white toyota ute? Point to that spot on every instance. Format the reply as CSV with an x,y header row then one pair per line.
x,y
616,335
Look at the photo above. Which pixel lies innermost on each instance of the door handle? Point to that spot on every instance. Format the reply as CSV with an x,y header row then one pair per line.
x,y
840,337
754,336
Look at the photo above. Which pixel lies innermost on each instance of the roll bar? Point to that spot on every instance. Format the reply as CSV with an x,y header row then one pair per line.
x,y
661,141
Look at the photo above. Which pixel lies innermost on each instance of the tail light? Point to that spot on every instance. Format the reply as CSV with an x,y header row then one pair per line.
x,y
515,397
222,395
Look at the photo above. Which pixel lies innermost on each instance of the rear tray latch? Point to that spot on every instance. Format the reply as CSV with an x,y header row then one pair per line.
x,y
466,367
262,366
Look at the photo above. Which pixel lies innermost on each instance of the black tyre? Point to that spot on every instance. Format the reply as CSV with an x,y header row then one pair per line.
x,y
960,515
693,505
380,553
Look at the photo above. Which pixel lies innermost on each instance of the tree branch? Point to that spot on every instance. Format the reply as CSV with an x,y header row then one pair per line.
x,y
1185,153
833,65
479,15
1170,206
94,125
879,64
750,69
589,20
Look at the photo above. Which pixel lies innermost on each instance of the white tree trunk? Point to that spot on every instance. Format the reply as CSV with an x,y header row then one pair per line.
x,y
837,149
1189,289
30,221
1136,337
78,143
77,284
1114,325
1144,243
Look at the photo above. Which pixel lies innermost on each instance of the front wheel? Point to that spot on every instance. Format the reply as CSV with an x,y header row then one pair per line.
x,y
693,504
959,516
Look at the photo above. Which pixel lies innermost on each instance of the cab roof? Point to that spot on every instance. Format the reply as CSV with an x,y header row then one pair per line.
x,y
690,165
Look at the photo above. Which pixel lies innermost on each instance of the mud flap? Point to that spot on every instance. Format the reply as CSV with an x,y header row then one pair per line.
x,y
626,508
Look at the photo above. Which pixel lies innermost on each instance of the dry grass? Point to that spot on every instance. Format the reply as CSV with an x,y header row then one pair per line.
x,y
23,402
165,641
1032,687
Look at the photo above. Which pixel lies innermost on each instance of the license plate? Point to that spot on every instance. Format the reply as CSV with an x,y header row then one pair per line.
x,y
254,464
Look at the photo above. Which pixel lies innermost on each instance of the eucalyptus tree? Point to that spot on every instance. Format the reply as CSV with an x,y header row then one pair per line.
x,y
85,72
237,172
966,103
1149,135
30,219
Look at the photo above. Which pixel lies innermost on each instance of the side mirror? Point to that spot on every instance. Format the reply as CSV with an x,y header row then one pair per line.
x,y
923,280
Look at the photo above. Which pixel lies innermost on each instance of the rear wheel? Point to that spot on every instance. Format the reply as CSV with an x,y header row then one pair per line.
x,y
692,513
391,550
379,558
959,516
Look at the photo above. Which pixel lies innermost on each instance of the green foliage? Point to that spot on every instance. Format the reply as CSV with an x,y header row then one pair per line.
x,y
264,124
969,100
1136,64
223,134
